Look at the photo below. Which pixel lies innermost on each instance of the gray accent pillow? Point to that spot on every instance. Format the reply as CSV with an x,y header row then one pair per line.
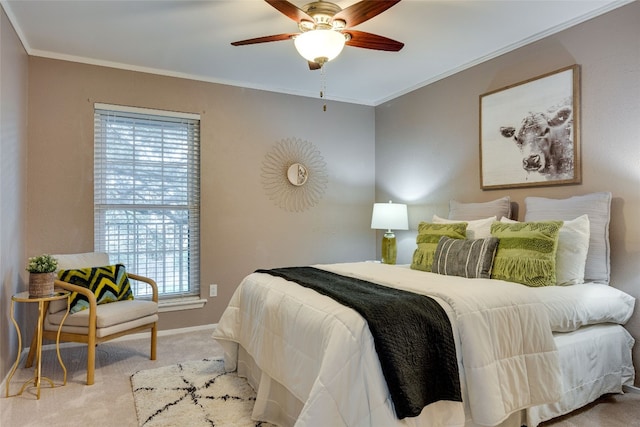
x,y
465,258
597,207
470,211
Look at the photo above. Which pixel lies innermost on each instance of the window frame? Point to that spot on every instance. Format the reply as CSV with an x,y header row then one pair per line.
x,y
187,127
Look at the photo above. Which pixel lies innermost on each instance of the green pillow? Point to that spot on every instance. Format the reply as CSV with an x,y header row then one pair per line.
x,y
109,283
526,252
428,237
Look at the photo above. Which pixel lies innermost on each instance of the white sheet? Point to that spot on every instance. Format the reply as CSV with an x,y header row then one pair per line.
x,y
323,352
571,307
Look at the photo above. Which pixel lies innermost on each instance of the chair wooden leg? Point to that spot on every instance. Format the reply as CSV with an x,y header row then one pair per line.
x,y
154,339
91,363
91,357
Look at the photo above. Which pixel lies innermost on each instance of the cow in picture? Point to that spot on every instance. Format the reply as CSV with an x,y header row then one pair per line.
x,y
545,140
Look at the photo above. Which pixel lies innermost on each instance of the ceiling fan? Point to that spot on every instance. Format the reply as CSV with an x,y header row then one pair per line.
x,y
325,28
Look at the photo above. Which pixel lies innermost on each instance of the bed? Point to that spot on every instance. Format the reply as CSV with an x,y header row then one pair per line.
x,y
524,354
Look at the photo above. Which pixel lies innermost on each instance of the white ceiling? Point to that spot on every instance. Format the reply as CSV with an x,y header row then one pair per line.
x,y
192,39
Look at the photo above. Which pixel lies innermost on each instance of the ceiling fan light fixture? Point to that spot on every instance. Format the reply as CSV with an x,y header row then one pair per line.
x,y
320,46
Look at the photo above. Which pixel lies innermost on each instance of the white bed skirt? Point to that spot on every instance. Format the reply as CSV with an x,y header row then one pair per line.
x,y
594,360
586,375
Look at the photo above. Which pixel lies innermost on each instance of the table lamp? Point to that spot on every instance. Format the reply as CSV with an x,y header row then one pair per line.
x,y
388,216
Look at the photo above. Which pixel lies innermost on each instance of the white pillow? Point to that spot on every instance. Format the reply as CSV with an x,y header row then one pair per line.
x,y
476,229
573,246
597,206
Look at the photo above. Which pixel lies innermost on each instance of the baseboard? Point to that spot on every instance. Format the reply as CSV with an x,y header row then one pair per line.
x,y
166,332
140,335
631,389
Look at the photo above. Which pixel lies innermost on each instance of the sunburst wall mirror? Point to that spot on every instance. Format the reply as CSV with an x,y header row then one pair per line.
x,y
294,175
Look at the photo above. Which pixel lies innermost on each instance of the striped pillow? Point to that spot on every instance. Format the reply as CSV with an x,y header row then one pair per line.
x,y
465,258
526,252
427,240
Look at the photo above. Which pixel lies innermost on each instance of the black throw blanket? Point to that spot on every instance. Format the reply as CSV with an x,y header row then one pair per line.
x,y
411,332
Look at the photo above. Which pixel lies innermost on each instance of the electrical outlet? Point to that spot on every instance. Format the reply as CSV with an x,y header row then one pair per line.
x,y
213,290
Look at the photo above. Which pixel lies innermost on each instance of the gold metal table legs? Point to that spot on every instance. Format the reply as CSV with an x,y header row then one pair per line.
x,y
43,303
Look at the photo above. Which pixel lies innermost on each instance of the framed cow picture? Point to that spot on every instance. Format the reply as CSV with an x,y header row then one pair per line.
x,y
530,132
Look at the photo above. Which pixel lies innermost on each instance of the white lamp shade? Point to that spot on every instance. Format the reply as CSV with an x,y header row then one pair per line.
x,y
319,45
389,216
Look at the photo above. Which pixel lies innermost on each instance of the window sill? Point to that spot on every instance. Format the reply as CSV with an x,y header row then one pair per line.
x,y
178,304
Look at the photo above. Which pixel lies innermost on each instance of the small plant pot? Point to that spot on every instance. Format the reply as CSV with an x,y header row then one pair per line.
x,y
41,284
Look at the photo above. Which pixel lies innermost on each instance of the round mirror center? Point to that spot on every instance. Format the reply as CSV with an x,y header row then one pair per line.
x,y
297,174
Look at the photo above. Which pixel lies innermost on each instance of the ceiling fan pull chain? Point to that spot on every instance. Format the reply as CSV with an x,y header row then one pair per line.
x,y
323,85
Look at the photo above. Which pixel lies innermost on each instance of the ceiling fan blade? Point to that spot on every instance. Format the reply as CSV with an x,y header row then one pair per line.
x,y
314,66
363,11
290,10
265,39
372,41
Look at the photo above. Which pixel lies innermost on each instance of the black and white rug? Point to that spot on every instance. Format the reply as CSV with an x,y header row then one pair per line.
x,y
195,393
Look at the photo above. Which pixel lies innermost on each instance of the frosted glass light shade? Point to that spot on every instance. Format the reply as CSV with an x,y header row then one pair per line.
x,y
389,216
319,46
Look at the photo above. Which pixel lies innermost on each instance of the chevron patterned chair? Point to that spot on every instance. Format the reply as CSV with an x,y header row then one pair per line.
x,y
100,322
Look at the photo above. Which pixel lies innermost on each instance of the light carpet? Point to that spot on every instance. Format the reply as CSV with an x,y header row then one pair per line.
x,y
195,393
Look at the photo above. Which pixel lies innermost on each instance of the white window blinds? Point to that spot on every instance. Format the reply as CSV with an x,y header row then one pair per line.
x,y
147,195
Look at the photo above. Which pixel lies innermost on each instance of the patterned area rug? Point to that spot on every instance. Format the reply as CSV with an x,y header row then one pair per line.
x,y
195,393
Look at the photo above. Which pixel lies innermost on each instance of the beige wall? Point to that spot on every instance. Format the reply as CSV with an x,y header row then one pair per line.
x,y
427,147
13,148
241,228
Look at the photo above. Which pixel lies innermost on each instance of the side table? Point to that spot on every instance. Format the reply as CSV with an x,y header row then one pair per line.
x,y
43,304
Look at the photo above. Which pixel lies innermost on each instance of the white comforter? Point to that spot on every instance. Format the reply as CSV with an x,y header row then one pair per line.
x,y
323,353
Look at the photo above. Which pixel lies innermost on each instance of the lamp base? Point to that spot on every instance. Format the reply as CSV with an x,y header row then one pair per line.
x,y
389,249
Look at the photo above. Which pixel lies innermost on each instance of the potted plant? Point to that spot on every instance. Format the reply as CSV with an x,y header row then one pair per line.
x,y
42,275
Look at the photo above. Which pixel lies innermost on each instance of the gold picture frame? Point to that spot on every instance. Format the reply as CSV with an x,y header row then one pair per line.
x,y
530,132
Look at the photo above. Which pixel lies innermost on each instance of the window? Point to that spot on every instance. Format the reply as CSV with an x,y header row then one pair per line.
x,y
147,195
